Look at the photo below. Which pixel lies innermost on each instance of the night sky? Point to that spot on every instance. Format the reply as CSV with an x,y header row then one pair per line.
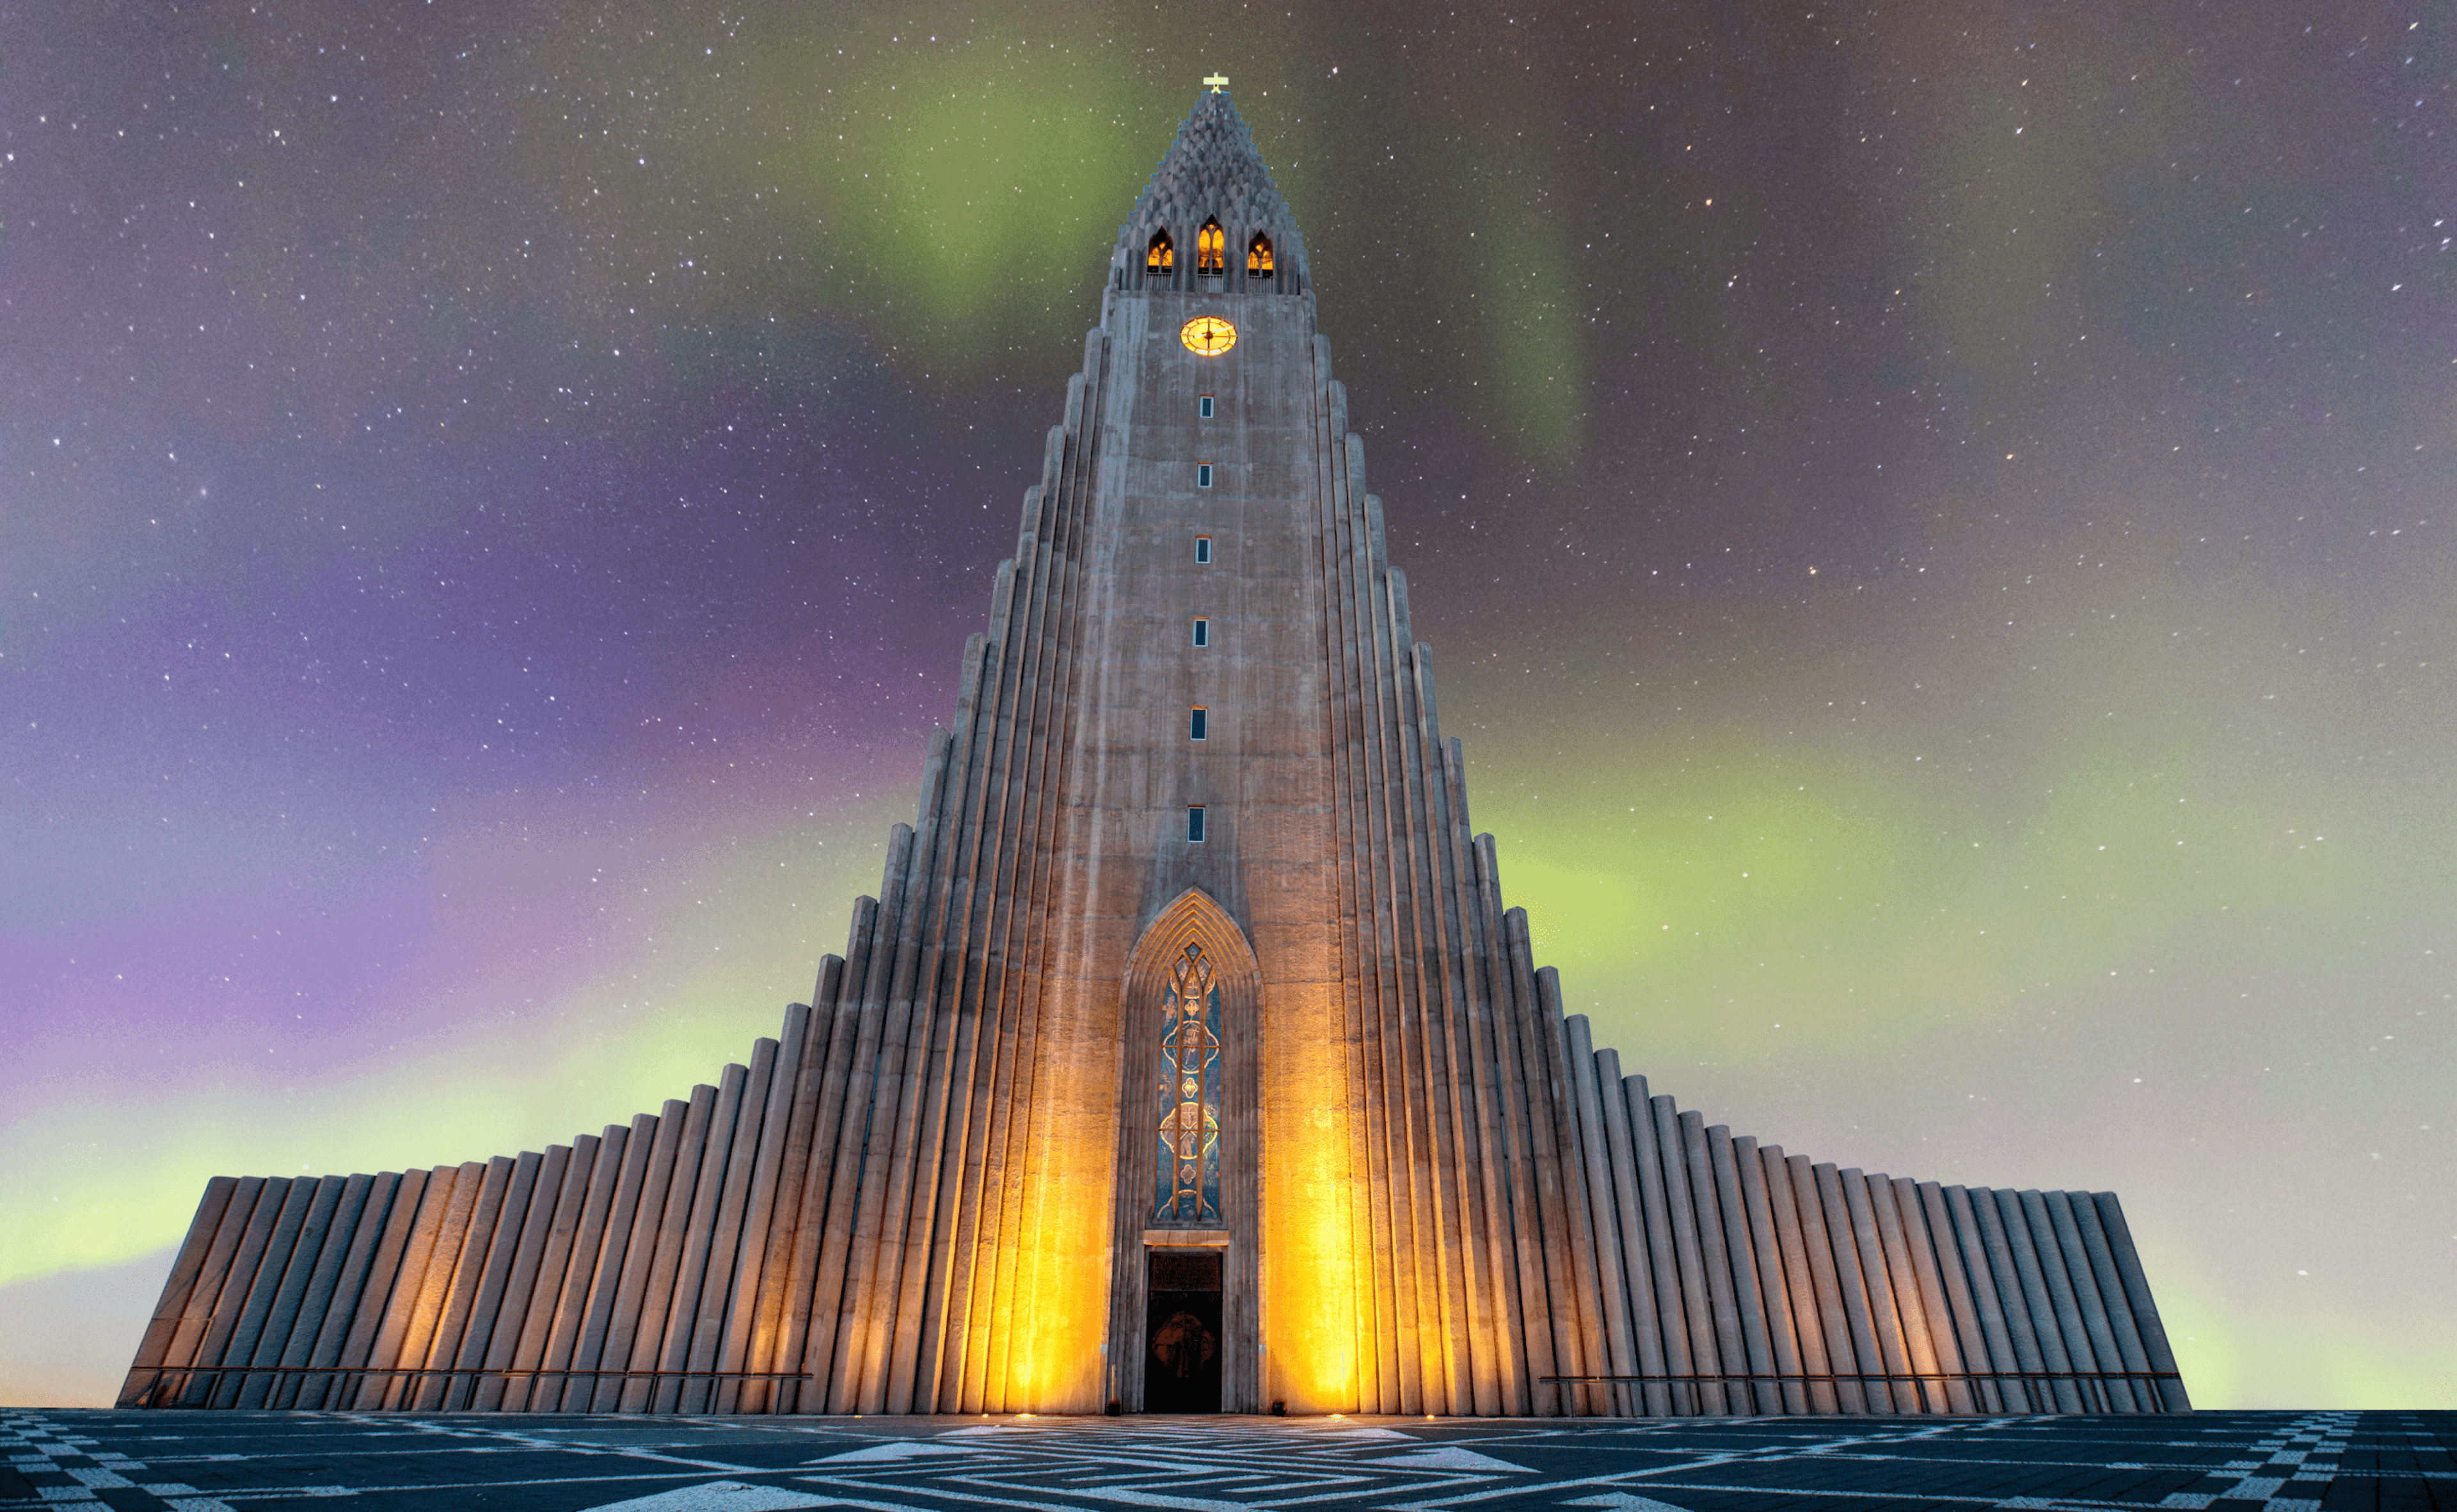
x,y
1938,524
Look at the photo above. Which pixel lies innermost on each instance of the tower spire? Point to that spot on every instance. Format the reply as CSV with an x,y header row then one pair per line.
x,y
1211,176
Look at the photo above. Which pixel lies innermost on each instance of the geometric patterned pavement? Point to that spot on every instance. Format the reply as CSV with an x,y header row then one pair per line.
x,y
236,1461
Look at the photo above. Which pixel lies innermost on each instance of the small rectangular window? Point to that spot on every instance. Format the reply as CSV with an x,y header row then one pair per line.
x,y
1203,633
1203,407
1198,723
1203,548
1194,823
1202,476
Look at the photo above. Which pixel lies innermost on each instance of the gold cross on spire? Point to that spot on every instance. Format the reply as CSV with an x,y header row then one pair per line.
x,y
1216,82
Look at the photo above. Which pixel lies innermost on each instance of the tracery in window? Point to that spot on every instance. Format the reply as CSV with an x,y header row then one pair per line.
x,y
1258,256
1187,1173
1161,254
1211,248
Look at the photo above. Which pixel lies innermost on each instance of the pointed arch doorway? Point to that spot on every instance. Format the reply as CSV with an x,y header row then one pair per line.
x,y
1185,1324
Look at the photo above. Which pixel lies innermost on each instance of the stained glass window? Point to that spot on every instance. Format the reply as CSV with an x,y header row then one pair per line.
x,y
1186,1177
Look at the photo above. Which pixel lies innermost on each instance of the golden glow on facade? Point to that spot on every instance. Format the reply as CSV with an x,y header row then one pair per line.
x,y
1211,250
1208,334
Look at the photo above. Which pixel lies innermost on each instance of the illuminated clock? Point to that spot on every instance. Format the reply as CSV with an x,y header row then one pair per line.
x,y
1208,334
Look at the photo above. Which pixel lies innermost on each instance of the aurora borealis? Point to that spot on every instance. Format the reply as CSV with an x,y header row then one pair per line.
x,y
1934,521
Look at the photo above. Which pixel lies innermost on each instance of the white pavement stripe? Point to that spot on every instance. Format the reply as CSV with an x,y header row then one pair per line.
x,y
719,1496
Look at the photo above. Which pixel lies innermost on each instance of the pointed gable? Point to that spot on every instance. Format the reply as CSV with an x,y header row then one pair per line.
x,y
1211,172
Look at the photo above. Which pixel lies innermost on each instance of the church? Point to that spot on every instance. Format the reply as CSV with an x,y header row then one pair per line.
x,y
1190,1058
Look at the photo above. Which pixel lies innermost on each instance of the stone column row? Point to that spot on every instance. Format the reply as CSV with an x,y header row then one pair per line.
x,y
831,1228
1476,1274
1741,1280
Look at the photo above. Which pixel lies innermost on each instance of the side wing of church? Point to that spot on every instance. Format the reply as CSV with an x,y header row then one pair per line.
x,y
1188,1059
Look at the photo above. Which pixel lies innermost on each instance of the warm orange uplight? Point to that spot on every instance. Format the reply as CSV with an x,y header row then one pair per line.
x,y
1258,256
1161,254
1211,249
1309,1293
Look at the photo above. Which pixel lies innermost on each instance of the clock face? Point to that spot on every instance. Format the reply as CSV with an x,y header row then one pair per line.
x,y
1208,334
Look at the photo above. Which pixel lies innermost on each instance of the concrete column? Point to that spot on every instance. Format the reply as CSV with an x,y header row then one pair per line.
x,y
667,1238
1527,1240
1653,1399
442,1305
1903,1291
830,1308
661,1146
2038,1311
696,1239
802,1153
349,1292
2064,1306
721,1272
389,1348
1921,1287
2136,1292
1766,1244
1970,1237
1813,1312
144,1380
1843,1244
2110,1285
1621,1353
1552,1159
1698,1309
372,1330
271,1228
1885,1317
599,1267
1715,1258
1578,1205
548,1291
492,1282
1663,1258
1971,1346
425,1265
2087,1303
281,1297
1742,1256
494,1390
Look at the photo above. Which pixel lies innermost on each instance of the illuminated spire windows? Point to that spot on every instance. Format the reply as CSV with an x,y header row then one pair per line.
x,y
1161,256
1211,250
1258,256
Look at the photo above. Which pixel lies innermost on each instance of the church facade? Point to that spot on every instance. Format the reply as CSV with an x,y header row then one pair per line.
x,y
1188,1058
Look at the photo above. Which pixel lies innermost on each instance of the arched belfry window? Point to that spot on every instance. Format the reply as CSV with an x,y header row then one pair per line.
x,y
1185,1167
1211,249
1258,256
1161,256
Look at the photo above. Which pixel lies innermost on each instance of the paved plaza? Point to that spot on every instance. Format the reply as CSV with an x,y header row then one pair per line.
x,y
204,1461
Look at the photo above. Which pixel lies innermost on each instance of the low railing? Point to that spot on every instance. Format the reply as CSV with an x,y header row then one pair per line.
x,y
1921,1382
352,1376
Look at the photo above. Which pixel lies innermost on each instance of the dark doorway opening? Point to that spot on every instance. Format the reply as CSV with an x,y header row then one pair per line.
x,y
1182,1333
